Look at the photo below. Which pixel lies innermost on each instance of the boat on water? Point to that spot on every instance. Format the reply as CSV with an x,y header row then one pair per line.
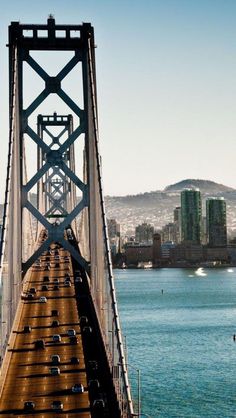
x,y
145,265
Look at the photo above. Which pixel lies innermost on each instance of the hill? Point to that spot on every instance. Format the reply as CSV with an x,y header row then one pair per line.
x,y
157,207
205,186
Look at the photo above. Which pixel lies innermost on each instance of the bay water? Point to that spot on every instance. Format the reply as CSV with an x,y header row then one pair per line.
x,y
179,326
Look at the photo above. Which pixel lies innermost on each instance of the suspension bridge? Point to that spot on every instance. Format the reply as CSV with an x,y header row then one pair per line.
x,y
61,340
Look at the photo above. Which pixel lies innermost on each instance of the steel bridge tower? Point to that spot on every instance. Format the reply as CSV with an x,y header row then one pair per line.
x,y
64,198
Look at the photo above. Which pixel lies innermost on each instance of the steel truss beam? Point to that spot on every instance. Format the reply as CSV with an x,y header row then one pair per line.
x,y
59,161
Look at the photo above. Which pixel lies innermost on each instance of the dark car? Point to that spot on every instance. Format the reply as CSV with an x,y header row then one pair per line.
x,y
55,323
55,312
29,405
93,385
56,287
44,287
46,279
55,358
67,283
87,331
73,339
39,344
98,405
32,290
83,320
74,360
27,329
30,296
57,405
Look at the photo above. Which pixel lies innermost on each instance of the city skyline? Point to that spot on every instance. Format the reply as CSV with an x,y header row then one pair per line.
x,y
165,88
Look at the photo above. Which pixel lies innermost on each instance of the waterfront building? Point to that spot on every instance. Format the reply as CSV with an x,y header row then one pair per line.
x,y
191,213
216,222
144,233
188,252
218,254
138,253
156,249
167,249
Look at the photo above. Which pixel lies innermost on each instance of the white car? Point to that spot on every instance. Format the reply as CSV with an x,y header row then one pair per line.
x,y
43,299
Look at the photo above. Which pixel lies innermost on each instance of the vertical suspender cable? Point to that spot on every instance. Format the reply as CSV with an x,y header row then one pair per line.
x,y
10,152
12,98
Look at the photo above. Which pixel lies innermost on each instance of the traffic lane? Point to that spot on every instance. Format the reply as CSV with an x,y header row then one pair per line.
x,y
70,381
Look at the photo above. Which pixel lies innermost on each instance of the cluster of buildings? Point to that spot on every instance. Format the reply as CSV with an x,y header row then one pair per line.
x,y
193,238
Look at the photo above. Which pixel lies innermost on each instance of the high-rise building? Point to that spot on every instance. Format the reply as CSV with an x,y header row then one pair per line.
x,y
168,232
191,214
216,222
177,222
113,228
144,233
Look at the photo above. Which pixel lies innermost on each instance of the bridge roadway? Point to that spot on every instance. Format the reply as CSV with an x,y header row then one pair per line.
x,y
28,377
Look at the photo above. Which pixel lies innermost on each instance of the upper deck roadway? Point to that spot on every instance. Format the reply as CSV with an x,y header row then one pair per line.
x,y
29,376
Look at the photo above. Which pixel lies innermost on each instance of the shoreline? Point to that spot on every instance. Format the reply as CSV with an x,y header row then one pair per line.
x,y
195,266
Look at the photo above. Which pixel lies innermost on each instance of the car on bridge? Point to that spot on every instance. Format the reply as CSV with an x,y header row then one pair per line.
x,y
54,312
56,338
94,386
39,344
78,279
57,405
55,359
98,406
29,406
27,329
78,388
55,371
74,360
73,339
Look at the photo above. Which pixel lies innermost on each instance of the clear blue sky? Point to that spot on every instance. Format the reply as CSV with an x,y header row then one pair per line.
x,y
166,72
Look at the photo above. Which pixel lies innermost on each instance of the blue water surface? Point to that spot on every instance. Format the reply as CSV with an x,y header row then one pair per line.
x,y
181,339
